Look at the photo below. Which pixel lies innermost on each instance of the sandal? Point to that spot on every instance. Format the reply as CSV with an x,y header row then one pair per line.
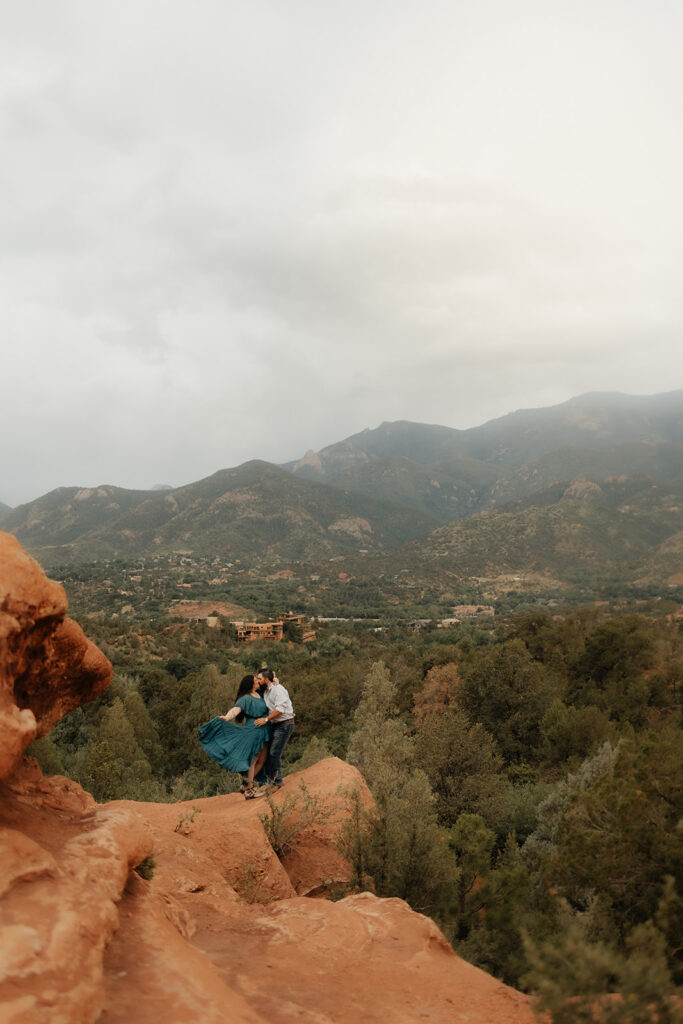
x,y
252,794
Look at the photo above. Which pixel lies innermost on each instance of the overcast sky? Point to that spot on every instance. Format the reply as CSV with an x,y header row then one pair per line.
x,y
235,229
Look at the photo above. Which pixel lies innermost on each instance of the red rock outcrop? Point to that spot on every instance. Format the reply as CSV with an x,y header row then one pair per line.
x,y
47,665
287,957
64,862
224,931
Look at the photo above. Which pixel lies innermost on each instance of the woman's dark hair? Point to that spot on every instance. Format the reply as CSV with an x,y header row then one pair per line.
x,y
245,687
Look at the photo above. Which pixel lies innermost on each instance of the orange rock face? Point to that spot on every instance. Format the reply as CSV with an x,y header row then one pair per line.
x,y
63,864
224,931
47,666
286,957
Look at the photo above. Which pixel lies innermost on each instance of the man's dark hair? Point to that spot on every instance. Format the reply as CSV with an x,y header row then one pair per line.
x,y
268,674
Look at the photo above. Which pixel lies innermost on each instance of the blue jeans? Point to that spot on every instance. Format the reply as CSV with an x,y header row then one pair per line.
x,y
278,741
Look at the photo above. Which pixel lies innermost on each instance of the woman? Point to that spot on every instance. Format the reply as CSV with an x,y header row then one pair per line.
x,y
239,748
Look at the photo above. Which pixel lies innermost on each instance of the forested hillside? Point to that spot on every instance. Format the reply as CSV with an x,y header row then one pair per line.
x,y
570,533
256,512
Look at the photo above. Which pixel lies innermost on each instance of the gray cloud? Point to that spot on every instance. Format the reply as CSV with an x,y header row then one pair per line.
x,y
233,231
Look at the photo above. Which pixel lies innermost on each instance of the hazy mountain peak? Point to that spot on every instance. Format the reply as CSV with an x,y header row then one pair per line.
x,y
399,480
311,459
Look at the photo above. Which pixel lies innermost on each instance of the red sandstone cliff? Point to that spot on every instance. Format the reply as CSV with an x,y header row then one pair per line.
x,y
83,938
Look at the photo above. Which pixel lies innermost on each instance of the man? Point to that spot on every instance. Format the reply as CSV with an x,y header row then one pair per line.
x,y
281,720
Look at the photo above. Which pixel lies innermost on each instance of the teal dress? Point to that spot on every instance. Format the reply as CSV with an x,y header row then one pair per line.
x,y
235,746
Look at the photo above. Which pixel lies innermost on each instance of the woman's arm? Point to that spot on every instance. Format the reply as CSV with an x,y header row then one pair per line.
x,y
232,713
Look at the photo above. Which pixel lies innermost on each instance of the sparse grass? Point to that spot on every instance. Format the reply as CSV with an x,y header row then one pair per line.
x,y
336,889
248,883
186,818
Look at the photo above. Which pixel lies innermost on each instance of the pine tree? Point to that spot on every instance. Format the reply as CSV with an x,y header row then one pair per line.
x,y
462,764
400,844
580,981
380,746
115,766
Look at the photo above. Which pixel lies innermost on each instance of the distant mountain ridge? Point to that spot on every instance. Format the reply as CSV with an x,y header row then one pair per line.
x,y
393,486
590,421
450,474
255,511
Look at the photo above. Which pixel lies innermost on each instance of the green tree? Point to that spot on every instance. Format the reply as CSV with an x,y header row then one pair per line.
x,y
403,848
509,693
619,837
473,844
47,755
115,767
542,842
212,693
102,773
145,731
406,853
292,631
380,746
497,907
611,672
462,764
314,751
168,701
579,981
571,733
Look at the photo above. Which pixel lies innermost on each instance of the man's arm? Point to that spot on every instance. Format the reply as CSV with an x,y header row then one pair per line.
x,y
272,715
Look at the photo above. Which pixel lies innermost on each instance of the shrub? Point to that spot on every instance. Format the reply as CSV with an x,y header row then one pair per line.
x,y
185,819
145,869
247,882
286,819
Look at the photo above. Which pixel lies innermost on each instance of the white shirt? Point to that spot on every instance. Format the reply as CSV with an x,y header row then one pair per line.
x,y
277,699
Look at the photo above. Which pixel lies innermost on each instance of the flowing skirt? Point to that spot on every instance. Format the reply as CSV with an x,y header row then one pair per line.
x,y
233,746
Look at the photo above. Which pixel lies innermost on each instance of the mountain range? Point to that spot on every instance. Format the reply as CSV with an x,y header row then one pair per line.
x,y
593,421
257,512
595,481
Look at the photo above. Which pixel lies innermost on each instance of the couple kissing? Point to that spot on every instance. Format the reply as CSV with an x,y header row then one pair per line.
x,y
251,736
